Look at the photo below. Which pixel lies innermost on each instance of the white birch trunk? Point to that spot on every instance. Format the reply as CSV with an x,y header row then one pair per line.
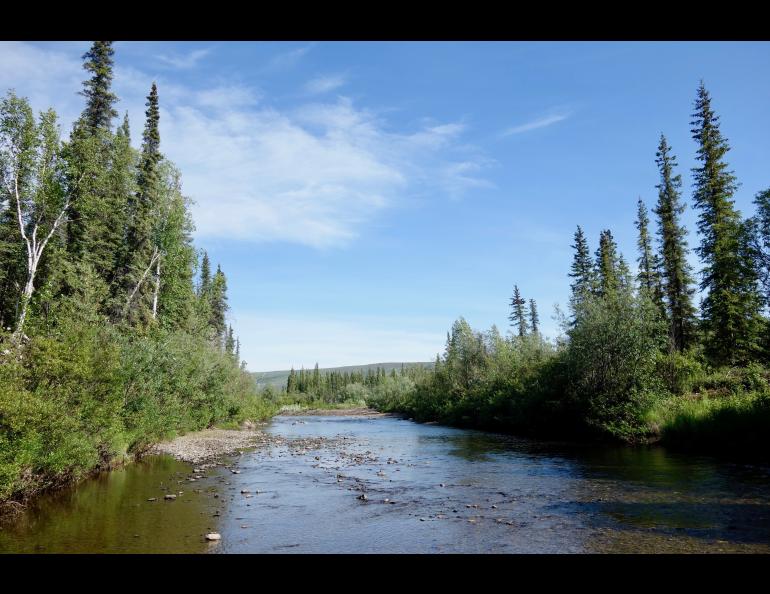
x,y
35,250
157,289
155,257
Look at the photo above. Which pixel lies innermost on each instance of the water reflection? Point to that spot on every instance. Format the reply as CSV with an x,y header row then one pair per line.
x,y
429,489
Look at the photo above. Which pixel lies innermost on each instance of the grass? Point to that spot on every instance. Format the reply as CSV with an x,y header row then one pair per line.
x,y
714,421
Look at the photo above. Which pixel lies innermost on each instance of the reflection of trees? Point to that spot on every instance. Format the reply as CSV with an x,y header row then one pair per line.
x,y
104,513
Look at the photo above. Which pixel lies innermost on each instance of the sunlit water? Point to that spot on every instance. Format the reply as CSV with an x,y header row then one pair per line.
x,y
500,494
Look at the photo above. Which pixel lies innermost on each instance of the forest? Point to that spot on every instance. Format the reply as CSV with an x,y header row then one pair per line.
x,y
636,360
113,331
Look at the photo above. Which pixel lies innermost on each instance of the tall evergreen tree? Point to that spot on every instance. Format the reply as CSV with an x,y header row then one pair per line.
x,y
143,252
517,316
100,99
230,341
219,307
648,276
98,161
205,284
731,306
122,186
761,225
534,319
675,271
582,271
607,265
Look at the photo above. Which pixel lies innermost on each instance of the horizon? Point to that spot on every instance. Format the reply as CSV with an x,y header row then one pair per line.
x,y
360,197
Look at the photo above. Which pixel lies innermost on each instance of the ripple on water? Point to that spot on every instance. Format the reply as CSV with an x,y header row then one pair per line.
x,y
427,488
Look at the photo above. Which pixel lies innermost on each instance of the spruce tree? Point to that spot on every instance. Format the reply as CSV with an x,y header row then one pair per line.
x,y
517,316
534,319
675,271
648,276
625,279
100,99
218,305
607,265
121,188
143,253
205,284
761,226
582,271
230,341
731,306
97,160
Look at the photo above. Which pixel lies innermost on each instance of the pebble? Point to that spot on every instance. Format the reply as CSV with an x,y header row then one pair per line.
x,y
152,499
170,497
213,536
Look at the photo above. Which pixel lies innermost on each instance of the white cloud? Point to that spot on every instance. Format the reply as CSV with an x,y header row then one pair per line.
x,y
48,77
314,175
226,97
542,122
288,59
280,342
184,61
324,84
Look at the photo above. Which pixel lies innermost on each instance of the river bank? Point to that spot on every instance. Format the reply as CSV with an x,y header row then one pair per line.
x,y
359,484
358,411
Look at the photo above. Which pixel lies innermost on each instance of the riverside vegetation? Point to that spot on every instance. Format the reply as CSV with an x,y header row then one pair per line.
x,y
112,334
636,360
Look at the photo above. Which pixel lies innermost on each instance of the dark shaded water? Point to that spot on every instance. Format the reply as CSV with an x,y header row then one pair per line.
x,y
499,494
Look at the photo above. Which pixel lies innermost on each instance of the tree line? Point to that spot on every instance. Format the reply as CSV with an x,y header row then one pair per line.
x,y
636,358
113,327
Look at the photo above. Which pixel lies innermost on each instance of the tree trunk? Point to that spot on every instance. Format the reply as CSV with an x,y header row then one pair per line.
x,y
157,289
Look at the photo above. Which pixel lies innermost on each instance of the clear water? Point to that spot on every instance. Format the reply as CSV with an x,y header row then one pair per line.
x,y
500,494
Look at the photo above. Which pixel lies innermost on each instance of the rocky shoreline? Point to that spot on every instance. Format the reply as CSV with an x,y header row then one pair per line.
x,y
338,412
209,444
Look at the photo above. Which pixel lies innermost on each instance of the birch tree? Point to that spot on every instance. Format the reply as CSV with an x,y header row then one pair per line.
x,y
32,178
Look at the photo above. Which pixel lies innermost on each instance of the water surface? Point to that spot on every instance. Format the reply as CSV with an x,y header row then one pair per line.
x,y
427,489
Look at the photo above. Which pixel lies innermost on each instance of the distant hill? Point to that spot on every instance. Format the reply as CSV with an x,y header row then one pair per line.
x,y
277,379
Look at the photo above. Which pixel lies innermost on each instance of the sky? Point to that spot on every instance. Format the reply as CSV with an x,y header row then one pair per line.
x,y
361,196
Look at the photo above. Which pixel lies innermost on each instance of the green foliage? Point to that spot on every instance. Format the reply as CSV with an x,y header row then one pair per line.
x,y
607,265
675,271
582,271
99,112
518,316
610,362
648,276
117,351
736,422
731,307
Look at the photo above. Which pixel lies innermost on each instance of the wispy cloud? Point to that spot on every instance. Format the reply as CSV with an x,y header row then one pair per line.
x,y
288,59
315,174
184,61
541,122
324,84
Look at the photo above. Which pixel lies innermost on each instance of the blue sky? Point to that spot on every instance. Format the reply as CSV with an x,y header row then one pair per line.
x,y
362,196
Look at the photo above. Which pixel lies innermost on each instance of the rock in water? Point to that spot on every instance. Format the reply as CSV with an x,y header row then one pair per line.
x,y
213,536
170,497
